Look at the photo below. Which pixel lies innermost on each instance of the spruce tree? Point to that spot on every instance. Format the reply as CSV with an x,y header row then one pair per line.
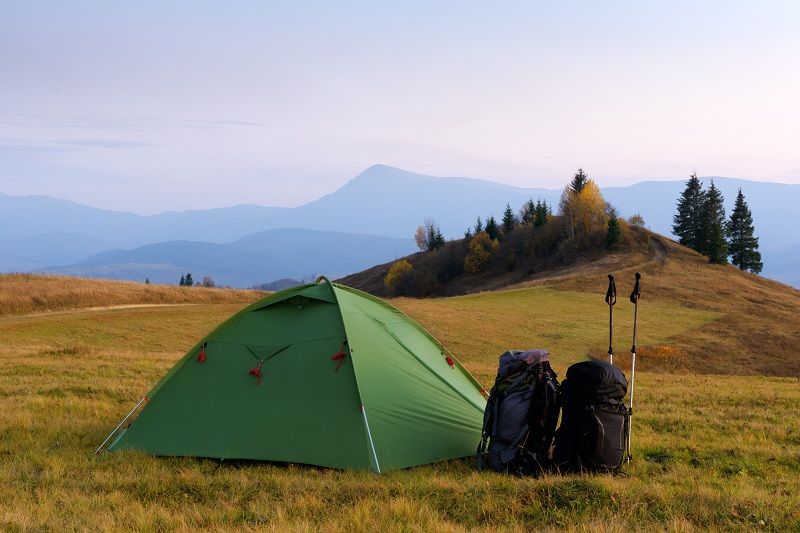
x,y
439,239
478,226
613,232
189,280
542,213
712,227
578,181
430,238
509,220
491,228
527,213
742,244
147,281
182,282
687,220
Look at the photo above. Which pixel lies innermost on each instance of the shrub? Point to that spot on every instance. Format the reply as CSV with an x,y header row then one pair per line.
x,y
397,276
480,253
636,220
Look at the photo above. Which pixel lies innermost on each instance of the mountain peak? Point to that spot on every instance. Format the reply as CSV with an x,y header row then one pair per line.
x,y
382,172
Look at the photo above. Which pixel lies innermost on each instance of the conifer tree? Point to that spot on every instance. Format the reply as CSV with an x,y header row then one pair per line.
x,y
182,282
147,281
613,232
742,244
430,238
189,281
578,181
491,228
712,227
509,220
542,214
439,238
528,211
478,226
687,220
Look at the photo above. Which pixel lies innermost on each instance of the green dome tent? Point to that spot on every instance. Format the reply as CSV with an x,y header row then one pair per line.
x,y
320,374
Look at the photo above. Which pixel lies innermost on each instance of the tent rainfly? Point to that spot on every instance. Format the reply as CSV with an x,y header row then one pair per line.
x,y
320,374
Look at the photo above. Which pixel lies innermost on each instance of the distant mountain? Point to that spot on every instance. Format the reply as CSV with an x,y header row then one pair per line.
x,y
254,259
382,201
37,251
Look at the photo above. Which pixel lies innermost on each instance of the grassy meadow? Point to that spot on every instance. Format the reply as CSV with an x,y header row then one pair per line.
x,y
28,293
710,451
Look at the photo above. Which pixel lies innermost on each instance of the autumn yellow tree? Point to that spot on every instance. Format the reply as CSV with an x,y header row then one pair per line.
x,y
397,275
479,253
583,212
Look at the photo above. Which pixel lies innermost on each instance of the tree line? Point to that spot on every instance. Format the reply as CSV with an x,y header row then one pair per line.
x,y
699,223
525,240
188,281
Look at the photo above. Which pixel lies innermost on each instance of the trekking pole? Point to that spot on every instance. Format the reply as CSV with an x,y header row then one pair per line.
x,y
635,301
611,299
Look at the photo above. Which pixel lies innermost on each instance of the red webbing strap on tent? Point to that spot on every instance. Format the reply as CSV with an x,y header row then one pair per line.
x,y
339,356
201,357
256,372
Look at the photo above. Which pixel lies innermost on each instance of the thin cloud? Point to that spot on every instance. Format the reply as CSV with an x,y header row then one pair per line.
x,y
80,121
106,144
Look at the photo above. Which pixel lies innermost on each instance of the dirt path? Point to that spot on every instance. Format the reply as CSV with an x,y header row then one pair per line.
x,y
98,308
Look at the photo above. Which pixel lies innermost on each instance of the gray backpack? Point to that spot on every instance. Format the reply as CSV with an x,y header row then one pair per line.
x,y
521,414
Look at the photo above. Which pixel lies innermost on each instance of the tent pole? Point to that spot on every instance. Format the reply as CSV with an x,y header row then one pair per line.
x,y
369,436
135,407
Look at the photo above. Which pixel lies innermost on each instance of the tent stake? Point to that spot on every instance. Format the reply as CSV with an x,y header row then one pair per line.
x,y
135,407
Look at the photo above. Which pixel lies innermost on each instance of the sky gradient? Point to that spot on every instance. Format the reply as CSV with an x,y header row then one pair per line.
x,y
149,107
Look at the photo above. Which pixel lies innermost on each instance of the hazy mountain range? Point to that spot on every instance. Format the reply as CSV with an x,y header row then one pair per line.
x,y
369,220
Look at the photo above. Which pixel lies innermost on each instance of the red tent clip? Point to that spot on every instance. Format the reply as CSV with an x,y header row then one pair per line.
x,y
339,358
201,357
450,361
256,372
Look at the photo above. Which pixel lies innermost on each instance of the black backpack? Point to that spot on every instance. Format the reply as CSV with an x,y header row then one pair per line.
x,y
521,414
595,422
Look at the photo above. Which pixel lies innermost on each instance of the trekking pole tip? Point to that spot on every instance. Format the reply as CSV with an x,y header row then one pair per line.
x,y
638,276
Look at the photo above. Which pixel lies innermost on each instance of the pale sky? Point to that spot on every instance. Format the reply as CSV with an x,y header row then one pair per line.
x,y
156,105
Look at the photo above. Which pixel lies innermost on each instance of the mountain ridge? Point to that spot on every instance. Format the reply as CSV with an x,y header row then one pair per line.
x,y
380,201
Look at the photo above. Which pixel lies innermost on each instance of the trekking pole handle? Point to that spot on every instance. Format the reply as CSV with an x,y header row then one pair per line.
x,y
611,293
635,294
635,301
611,299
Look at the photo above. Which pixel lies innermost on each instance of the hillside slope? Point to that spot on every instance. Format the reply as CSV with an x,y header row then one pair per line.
x,y
28,293
754,329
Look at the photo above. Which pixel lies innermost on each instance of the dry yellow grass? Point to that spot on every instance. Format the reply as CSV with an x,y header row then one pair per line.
x,y
711,452
757,331
27,293
718,452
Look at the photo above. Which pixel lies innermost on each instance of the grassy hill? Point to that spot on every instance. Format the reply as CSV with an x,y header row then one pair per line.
x,y
28,293
710,451
748,324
